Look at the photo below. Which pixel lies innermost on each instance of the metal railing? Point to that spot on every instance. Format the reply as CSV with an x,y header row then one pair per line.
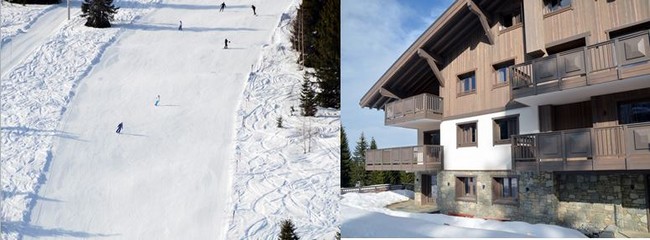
x,y
413,105
548,73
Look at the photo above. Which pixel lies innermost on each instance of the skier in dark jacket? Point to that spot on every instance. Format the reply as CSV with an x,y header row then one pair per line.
x,y
223,5
180,26
225,42
253,7
119,127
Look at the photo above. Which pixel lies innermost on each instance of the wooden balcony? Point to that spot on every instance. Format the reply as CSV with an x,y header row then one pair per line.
x,y
583,71
625,147
414,112
415,158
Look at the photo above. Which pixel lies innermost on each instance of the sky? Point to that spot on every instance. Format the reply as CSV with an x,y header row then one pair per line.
x,y
374,33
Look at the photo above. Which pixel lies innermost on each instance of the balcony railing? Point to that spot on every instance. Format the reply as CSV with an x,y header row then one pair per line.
x,y
423,106
619,58
625,147
415,158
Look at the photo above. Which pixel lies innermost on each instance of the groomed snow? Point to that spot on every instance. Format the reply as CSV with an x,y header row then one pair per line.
x,y
364,215
65,173
274,180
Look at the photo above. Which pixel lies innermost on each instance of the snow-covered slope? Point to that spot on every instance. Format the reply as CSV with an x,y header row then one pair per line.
x,y
274,179
65,173
365,215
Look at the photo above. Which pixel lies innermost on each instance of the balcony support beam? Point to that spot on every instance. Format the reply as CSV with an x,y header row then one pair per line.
x,y
481,17
386,93
432,63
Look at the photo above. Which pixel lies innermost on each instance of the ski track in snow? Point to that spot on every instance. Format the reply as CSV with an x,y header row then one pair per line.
x,y
273,179
35,95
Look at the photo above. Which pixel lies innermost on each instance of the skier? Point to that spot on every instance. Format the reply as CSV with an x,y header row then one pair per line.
x,y
253,7
157,101
223,5
180,27
225,42
119,127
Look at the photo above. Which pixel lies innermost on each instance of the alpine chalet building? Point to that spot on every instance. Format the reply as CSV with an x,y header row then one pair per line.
x,y
535,110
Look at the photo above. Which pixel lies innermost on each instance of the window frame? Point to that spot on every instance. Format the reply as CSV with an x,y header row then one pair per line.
x,y
550,10
460,186
460,133
498,187
513,17
461,80
498,66
496,129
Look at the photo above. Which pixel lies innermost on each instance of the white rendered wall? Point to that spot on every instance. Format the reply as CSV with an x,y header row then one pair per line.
x,y
485,156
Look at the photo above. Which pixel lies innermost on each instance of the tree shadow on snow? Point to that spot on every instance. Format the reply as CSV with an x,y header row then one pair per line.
x,y
174,27
132,4
34,197
26,229
26,131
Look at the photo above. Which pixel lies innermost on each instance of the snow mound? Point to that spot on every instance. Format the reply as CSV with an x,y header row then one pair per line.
x,y
273,178
365,215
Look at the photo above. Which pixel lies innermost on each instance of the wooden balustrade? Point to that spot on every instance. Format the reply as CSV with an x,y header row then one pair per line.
x,y
413,108
619,58
605,148
424,157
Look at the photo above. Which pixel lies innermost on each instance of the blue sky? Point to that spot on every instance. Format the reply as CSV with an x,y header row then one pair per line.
x,y
374,33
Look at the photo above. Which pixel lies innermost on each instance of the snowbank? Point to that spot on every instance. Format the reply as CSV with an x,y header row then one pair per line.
x,y
273,178
364,215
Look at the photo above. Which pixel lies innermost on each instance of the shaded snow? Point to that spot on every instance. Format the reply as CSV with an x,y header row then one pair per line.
x,y
364,215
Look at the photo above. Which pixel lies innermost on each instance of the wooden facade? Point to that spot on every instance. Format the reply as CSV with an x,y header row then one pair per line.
x,y
552,49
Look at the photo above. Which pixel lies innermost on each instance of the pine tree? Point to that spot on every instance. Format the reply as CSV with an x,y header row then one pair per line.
x,y
288,231
98,13
376,177
345,160
327,47
407,178
307,101
359,157
307,18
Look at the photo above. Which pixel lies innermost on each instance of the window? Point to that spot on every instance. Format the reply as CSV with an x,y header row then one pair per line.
x,y
510,19
554,5
432,137
466,188
467,135
467,83
505,190
504,128
501,72
634,112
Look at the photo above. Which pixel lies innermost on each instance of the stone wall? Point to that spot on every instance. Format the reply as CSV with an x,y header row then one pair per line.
x,y
588,201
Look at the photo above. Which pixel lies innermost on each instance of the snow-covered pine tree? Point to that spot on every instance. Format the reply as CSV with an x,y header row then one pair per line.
x,y
98,13
288,231
307,99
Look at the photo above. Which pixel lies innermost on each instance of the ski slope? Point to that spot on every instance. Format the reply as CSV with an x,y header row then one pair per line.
x,y
66,173
274,178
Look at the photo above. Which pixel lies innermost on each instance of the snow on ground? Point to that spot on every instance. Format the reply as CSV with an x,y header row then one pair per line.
x,y
65,173
17,18
364,215
273,179
35,94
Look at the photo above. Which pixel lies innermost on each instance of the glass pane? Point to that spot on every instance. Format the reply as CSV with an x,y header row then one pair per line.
x,y
515,188
503,130
467,190
506,187
634,112
501,75
473,129
465,85
473,77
